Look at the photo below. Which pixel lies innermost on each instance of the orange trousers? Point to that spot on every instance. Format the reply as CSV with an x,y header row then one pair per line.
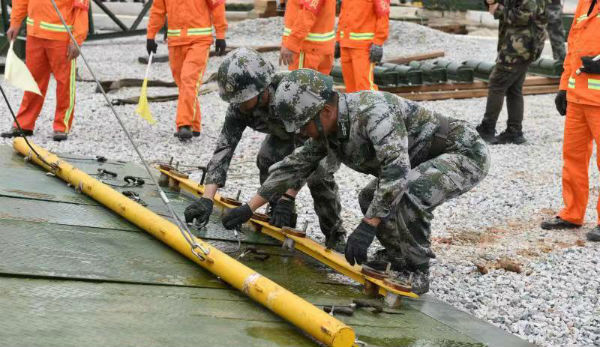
x,y
318,62
187,65
582,127
43,57
357,69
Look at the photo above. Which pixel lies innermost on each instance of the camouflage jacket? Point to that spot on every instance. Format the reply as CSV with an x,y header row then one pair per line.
x,y
378,134
261,119
522,31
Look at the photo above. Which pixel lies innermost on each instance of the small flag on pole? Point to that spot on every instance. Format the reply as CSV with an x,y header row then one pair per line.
x,y
143,109
17,74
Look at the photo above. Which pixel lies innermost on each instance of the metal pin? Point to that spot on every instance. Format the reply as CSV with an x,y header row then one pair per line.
x,y
237,196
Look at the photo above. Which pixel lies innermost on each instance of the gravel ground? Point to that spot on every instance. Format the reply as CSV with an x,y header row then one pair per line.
x,y
553,301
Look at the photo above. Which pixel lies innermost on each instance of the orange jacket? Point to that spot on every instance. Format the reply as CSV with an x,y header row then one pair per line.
x,y
43,21
189,20
363,22
309,26
583,41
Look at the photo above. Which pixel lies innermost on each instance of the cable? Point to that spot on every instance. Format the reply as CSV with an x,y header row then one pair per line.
x,y
12,113
185,231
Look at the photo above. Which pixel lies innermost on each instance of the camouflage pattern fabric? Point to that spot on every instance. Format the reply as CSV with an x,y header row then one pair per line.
x,y
321,183
274,148
522,31
388,137
304,92
242,75
556,31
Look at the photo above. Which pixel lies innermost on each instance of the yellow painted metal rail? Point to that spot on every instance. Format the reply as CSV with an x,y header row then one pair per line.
x,y
287,305
305,245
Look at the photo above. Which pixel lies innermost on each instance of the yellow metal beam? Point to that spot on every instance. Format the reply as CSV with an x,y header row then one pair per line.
x,y
287,305
305,245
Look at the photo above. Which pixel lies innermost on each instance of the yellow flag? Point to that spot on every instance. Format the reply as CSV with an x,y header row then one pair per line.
x,y
143,109
17,74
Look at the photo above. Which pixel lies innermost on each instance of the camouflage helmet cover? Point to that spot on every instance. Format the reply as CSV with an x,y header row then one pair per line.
x,y
242,75
300,96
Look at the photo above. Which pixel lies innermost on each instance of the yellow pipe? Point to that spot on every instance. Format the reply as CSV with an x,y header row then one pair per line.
x,y
287,305
304,244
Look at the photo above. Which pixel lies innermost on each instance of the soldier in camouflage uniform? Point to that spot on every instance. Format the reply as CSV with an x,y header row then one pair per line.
x,y
419,159
520,41
248,83
556,30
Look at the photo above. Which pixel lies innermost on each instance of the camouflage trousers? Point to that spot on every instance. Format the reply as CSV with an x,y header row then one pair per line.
x,y
405,234
556,31
321,183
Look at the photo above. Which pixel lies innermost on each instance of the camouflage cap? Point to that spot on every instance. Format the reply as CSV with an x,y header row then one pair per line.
x,y
300,96
242,75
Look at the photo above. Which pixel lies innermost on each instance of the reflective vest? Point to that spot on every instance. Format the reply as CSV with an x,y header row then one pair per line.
x,y
43,21
189,20
363,22
583,41
309,26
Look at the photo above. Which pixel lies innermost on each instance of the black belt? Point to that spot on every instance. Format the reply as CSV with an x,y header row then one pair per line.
x,y
438,145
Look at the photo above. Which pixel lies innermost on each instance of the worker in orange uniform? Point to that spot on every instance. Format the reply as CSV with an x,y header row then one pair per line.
x,y
309,35
362,29
49,50
189,37
579,99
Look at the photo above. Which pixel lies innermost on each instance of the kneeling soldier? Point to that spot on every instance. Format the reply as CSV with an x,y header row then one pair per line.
x,y
419,159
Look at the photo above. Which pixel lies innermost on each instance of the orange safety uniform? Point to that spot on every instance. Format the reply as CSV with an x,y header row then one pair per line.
x,y
362,23
46,52
582,124
310,33
189,37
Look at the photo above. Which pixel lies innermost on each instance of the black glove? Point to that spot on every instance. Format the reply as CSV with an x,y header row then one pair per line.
x,y
237,216
220,46
338,51
358,243
590,65
375,53
199,210
561,102
283,214
151,46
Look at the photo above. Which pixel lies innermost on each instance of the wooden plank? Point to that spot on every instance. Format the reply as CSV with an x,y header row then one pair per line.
x,y
474,93
408,59
530,81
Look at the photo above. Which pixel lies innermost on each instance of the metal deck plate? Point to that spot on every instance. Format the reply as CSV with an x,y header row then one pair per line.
x,y
73,273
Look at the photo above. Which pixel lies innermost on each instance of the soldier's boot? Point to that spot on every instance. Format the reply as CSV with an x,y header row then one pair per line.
x,y
512,137
14,132
381,260
336,240
594,234
488,135
419,279
558,223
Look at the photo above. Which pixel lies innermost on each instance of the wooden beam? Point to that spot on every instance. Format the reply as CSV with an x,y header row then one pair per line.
x,y
408,59
529,81
473,93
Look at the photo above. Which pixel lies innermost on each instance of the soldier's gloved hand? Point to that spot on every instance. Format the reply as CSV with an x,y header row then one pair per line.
x,y
338,51
220,46
375,53
151,46
561,102
283,213
590,65
199,210
237,216
358,243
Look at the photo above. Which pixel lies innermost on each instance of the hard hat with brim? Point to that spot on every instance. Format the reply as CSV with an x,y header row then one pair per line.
x,y
242,75
300,96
